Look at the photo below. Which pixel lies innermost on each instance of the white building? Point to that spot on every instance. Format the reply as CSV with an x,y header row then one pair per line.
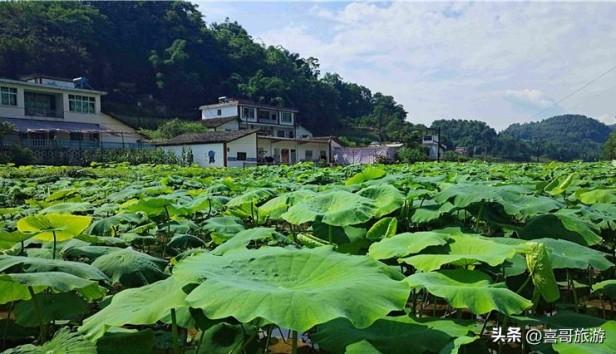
x,y
434,149
279,139
50,113
235,148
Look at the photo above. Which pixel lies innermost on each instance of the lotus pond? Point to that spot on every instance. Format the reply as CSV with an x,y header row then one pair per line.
x,y
423,258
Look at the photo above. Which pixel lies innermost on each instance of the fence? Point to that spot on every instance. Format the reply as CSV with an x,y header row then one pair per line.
x,y
364,155
47,144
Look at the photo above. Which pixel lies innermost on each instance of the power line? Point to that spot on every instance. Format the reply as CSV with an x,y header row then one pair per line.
x,y
576,91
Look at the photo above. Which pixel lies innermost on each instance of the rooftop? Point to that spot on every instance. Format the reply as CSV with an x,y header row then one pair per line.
x,y
217,122
242,101
31,125
207,137
49,86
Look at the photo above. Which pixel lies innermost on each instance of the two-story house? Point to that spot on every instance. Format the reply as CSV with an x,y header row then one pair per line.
x,y
278,138
55,113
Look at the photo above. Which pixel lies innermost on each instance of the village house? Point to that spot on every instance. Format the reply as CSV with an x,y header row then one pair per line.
x,y
250,133
53,113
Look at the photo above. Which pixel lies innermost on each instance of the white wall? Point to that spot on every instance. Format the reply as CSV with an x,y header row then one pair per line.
x,y
247,144
301,132
229,126
274,147
228,110
200,153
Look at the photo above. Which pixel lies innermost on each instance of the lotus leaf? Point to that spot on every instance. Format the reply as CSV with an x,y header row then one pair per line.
x,y
243,238
131,268
407,243
295,289
63,342
338,208
384,228
607,287
540,268
560,226
64,226
14,287
385,197
608,346
33,265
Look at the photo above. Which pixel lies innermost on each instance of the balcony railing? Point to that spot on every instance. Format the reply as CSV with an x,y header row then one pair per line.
x,y
39,112
46,144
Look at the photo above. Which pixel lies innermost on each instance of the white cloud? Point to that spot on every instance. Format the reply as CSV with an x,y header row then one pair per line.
x,y
470,60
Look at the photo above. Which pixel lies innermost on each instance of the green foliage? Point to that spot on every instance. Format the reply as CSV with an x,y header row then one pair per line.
x,y
609,148
411,155
173,128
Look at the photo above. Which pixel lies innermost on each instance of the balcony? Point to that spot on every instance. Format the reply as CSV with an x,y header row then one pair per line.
x,y
43,105
42,112
48,144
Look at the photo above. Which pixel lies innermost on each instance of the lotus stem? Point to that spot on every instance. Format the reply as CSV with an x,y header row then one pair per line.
x,y
524,284
330,233
174,333
294,342
53,250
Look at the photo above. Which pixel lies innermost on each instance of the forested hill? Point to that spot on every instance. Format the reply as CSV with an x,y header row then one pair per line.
x,y
163,59
564,137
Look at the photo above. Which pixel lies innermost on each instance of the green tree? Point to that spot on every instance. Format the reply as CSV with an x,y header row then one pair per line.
x,y
609,148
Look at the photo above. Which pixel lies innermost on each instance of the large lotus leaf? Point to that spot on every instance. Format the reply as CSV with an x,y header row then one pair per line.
x,y
295,289
131,268
14,287
253,197
463,250
599,195
559,185
470,289
65,226
126,341
139,306
274,208
385,197
361,347
108,226
152,206
407,243
430,211
566,254
53,307
224,338
369,173
9,239
391,335
338,208
223,228
203,204
34,265
386,227
540,269
63,342
607,346
89,252
66,208
244,238
607,287
560,226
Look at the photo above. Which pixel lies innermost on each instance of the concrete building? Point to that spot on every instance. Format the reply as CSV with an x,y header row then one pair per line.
x,y
280,139
434,148
56,113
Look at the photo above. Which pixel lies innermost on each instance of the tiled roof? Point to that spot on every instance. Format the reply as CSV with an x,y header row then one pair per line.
x,y
25,125
208,137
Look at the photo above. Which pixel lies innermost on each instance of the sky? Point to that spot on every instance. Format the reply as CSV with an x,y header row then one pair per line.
x,y
498,62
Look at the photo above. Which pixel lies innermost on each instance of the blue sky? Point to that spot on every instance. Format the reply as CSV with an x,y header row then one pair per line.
x,y
492,61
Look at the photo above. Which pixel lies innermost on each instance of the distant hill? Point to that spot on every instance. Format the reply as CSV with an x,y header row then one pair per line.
x,y
565,137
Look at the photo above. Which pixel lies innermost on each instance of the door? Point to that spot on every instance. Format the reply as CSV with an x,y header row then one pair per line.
x,y
284,156
293,156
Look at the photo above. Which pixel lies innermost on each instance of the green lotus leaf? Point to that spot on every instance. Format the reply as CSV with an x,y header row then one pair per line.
x,y
392,335
361,347
407,243
244,238
607,287
53,307
338,208
369,173
274,208
384,228
598,195
295,289
224,338
63,342
34,265
89,252
462,250
540,269
14,287
559,184
151,206
131,268
608,345
10,239
560,226
126,341
253,197
470,289
566,254
223,227
385,197
138,306
66,208
430,211
64,226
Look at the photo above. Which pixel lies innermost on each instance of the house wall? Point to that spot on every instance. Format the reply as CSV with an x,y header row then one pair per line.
x,y
200,153
247,144
229,126
274,149
229,110
303,132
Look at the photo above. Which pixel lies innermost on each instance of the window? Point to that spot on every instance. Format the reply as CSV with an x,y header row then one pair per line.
x,y
280,134
248,113
241,156
323,155
286,117
76,136
8,96
81,104
219,112
291,134
308,155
